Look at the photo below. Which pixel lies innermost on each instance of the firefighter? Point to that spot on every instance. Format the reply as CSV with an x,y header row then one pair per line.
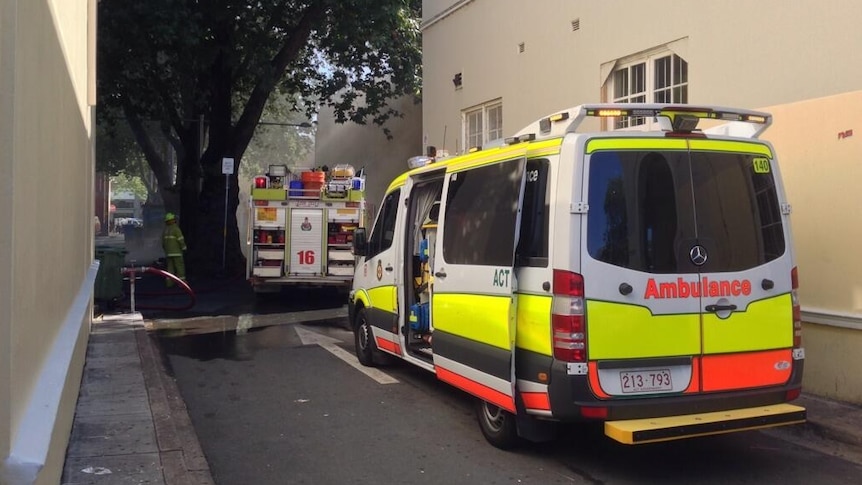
x,y
174,244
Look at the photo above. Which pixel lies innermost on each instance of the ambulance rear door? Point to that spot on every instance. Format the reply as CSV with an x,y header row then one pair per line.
x,y
745,261
642,317
473,304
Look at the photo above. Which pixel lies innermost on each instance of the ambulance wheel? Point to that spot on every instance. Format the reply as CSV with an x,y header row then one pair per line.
x,y
497,425
364,339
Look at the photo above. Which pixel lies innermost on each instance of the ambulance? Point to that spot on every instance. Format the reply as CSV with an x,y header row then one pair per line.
x,y
641,278
300,228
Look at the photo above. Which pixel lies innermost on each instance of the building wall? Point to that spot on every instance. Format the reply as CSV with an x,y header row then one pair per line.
x,y
739,53
46,210
798,60
819,143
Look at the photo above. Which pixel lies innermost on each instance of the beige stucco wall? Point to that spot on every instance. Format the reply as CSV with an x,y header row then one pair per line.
x,y
46,210
739,53
821,170
798,60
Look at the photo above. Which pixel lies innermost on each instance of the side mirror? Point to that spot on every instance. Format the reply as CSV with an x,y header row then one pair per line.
x,y
360,242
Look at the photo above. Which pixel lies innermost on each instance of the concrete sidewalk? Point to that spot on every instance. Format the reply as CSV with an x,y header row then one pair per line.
x,y
131,424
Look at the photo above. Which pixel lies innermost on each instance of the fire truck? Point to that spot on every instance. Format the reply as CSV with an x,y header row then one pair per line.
x,y
300,228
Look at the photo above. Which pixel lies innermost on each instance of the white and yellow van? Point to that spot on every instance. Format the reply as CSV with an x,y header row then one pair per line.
x,y
642,278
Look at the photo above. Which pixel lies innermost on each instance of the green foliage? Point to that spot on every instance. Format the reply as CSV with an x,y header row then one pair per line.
x,y
116,149
174,60
123,182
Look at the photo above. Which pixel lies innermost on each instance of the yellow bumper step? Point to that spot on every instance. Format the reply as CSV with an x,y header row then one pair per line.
x,y
651,430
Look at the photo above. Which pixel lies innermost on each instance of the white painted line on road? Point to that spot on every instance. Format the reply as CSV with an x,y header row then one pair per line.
x,y
310,337
376,374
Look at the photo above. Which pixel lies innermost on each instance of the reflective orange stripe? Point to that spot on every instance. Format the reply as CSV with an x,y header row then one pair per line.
x,y
388,345
746,370
536,400
481,391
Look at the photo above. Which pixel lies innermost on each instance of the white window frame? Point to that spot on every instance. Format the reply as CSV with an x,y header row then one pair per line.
x,y
485,133
645,63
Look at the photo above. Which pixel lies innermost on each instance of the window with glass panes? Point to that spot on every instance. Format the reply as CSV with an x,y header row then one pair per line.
x,y
483,124
656,78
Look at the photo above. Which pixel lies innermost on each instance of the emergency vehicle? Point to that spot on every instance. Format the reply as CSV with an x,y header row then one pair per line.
x,y
300,228
645,279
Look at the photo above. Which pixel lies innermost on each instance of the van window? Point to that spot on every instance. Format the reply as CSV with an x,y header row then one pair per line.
x,y
738,214
384,229
480,214
533,241
647,209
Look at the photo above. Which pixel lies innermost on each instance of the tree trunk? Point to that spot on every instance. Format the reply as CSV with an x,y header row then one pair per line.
x,y
218,250
188,184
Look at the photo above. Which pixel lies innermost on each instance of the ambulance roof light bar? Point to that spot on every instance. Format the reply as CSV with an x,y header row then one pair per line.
x,y
671,117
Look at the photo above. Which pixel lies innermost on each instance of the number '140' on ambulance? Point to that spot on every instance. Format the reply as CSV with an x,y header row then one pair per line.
x,y
645,279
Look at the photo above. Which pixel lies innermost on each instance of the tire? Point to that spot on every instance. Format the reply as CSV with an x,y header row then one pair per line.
x,y
364,339
497,425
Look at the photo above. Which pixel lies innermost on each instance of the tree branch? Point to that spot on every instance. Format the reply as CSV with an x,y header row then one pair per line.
x,y
157,164
245,126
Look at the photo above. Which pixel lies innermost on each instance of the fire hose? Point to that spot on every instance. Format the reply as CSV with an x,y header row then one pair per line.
x,y
132,271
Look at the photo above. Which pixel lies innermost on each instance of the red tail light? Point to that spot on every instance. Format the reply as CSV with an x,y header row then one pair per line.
x,y
797,311
600,412
568,317
260,182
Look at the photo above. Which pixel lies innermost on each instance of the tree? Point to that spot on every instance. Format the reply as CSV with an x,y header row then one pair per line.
x,y
205,70
123,182
120,157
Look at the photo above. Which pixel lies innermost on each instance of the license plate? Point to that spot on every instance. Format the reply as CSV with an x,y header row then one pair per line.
x,y
645,381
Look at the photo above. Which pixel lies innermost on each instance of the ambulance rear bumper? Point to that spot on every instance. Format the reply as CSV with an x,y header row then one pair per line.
x,y
571,395
651,430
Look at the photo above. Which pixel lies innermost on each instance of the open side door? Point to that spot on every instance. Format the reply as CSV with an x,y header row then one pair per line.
x,y
473,305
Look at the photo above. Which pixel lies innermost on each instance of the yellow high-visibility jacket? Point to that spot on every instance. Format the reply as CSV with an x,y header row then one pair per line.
x,y
173,241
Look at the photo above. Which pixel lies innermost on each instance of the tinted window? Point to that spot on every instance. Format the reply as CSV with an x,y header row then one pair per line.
x,y
738,215
640,211
643,207
533,241
384,229
480,214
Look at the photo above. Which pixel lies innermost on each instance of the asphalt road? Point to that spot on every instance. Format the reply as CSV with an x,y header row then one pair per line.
x,y
271,409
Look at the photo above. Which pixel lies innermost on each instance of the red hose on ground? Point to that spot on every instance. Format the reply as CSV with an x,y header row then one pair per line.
x,y
133,270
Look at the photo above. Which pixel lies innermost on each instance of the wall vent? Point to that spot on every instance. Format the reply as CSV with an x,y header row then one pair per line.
x,y
576,25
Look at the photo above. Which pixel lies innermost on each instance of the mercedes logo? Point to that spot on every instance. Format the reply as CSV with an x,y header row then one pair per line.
x,y
698,255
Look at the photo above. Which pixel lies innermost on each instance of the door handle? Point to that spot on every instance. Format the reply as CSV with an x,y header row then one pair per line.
x,y
719,308
440,274
389,268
